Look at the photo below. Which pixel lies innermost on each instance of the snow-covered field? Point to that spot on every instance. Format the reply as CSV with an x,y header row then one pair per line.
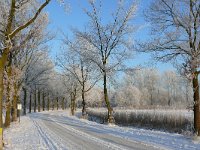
x,y
171,120
58,130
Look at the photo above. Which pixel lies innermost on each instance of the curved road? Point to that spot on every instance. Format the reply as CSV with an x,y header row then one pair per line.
x,y
62,132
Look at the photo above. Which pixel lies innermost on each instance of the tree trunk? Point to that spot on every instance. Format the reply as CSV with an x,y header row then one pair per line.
x,y
35,100
38,100
66,104
3,61
110,110
5,53
52,104
30,103
1,93
25,95
8,98
83,102
7,119
8,111
57,103
14,107
196,104
48,103
43,101
18,102
151,98
63,103
72,104
169,98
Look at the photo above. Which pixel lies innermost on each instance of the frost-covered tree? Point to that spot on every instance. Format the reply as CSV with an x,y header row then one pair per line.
x,y
151,82
147,81
9,30
176,36
170,81
23,45
94,97
168,88
128,96
72,89
31,48
82,69
38,73
108,42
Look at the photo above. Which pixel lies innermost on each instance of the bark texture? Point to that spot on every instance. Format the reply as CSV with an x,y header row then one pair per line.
x,y
196,104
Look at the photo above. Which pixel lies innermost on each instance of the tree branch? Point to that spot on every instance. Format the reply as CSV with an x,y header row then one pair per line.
x,y
30,21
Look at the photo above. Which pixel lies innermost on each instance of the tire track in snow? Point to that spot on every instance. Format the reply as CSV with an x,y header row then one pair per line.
x,y
90,137
48,142
147,145
74,138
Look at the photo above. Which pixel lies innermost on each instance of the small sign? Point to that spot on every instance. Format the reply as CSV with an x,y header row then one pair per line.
x,y
19,106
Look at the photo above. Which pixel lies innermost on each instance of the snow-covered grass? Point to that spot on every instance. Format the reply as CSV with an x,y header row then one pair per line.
x,y
169,120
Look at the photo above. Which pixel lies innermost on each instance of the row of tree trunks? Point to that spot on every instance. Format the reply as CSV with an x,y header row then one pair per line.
x,y
13,112
37,96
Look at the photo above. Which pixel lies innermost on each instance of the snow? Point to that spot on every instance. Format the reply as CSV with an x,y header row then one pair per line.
x,y
23,135
173,120
59,130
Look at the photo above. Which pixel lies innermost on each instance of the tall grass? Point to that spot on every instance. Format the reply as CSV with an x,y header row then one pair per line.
x,y
168,120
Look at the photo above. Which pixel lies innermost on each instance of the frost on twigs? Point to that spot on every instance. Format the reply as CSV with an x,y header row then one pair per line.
x,y
65,5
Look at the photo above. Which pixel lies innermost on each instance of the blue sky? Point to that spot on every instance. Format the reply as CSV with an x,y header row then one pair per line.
x,y
62,20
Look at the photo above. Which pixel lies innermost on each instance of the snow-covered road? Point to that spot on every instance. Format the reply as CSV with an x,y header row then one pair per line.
x,y
69,133
57,130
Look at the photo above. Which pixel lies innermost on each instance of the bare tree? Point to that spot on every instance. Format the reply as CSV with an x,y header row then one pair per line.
x,y
176,26
83,70
107,45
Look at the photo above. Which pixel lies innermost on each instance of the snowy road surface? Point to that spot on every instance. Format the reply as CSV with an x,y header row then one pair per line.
x,y
57,130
